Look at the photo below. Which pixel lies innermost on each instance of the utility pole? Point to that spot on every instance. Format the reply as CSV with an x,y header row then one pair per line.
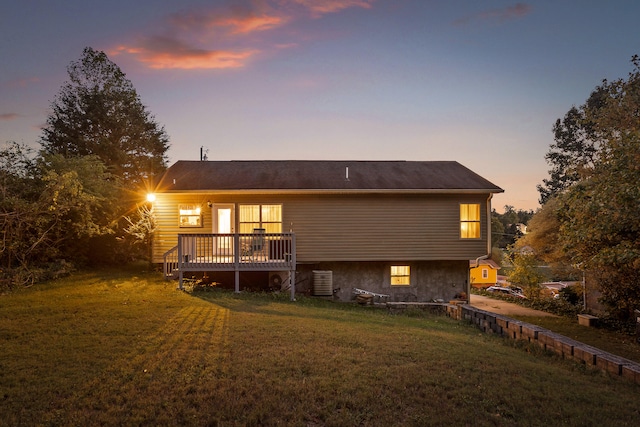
x,y
584,290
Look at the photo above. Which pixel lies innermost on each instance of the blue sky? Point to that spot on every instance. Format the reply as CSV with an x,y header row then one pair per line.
x,y
479,82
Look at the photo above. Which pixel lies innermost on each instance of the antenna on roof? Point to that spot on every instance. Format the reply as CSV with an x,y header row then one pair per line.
x,y
203,154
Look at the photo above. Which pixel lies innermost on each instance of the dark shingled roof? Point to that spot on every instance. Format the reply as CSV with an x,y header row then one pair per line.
x,y
312,175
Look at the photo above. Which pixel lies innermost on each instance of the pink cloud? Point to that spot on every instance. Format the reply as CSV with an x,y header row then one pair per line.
x,y
222,38
237,21
505,14
204,39
331,6
167,53
197,59
252,24
9,116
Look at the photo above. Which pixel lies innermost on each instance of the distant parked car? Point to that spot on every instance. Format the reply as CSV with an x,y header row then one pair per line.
x,y
517,293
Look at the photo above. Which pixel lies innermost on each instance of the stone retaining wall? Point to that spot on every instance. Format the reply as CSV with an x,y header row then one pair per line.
x,y
507,327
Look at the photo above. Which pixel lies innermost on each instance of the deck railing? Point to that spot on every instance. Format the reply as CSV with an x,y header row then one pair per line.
x,y
256,251
240,252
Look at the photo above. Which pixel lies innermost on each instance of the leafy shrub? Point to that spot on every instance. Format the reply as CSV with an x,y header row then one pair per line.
x,y
571,295
612,323
24,277
558,306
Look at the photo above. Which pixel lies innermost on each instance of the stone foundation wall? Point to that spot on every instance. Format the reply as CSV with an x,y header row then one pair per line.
x,y
430,280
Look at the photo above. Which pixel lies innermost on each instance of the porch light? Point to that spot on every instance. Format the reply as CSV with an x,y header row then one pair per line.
x,y
151,197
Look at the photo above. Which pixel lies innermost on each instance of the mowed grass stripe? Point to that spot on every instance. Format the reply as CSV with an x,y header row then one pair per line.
x,y
163,368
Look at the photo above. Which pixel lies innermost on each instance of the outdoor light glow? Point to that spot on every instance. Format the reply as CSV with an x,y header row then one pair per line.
x,y
151,197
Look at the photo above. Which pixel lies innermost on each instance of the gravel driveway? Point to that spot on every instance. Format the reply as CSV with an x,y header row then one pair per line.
x,y
502,307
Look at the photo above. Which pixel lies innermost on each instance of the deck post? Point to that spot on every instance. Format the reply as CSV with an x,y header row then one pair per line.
x,y
293,268
180,262
292,277
236,261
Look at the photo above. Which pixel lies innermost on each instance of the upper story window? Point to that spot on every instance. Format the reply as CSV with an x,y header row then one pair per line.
x,y
190,216
470,221
400,275
267,217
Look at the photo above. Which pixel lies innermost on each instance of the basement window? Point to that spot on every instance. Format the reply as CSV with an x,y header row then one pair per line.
x,y
190,216
469,221
400,275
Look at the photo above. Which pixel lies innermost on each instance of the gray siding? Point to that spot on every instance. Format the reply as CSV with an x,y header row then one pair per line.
x,y
350,227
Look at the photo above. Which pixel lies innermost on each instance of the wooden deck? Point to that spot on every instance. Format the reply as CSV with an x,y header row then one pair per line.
x,y
232,252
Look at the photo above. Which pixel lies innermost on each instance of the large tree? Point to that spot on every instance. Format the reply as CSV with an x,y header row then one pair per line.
x,y
586,132
599,223
572,154
98,112
594,210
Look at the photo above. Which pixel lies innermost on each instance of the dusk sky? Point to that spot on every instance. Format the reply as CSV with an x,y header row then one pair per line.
x,y
479,82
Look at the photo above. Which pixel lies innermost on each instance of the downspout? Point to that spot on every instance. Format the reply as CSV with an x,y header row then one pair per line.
x,y
488,254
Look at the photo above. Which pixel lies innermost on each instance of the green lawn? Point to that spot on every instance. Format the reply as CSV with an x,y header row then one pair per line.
x,y
126,348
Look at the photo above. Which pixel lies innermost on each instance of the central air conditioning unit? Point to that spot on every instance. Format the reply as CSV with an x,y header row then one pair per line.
x,y
279,280
322,283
